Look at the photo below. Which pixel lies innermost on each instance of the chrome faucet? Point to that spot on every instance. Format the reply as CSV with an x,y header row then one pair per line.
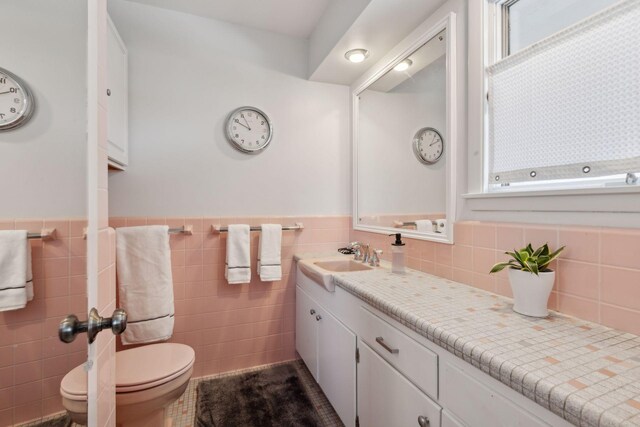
x,y
361,251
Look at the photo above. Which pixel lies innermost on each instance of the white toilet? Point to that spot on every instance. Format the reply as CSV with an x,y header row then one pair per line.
x,y
148,379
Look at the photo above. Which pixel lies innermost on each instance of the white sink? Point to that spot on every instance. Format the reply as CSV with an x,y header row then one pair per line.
x,y
321,270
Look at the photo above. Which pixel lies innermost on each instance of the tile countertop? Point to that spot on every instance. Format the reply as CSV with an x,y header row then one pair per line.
x,y
586,373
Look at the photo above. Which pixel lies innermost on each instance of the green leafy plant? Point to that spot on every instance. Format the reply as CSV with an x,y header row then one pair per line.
x,y
526,259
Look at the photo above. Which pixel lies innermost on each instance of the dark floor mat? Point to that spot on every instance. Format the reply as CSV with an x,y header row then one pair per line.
x,y
272,397
62,421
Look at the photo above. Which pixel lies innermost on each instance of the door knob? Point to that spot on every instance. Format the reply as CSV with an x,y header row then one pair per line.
x,y
423,421
71,326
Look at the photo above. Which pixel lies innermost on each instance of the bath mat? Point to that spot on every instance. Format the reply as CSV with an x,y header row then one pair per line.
x,y
61,421
273,397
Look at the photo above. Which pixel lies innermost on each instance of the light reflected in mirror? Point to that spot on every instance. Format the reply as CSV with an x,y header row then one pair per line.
x,y
402,144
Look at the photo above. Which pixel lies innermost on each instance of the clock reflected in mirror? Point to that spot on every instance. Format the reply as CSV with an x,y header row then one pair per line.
x,y
428,145
16,101
249,129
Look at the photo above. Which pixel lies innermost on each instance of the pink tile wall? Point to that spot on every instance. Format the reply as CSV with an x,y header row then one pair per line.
x,y
597,276
238,326
32,359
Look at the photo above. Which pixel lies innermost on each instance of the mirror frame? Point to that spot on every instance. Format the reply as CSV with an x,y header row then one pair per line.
x,y
403,50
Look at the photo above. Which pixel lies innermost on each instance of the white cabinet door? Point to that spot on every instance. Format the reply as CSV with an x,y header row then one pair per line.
x,y
117,99
477,405
337,366
306,330
386,398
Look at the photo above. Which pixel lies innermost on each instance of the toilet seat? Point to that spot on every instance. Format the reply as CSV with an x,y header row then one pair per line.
x,y
137,369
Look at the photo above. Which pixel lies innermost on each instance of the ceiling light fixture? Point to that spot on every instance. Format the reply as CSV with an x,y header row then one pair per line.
x,y
404,65
357,55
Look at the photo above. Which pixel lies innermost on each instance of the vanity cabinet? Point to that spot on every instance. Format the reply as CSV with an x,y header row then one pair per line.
x,y
401,375
386,398
117,99
328,348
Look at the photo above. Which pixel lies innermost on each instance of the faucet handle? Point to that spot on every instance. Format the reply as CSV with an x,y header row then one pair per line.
x,y
375,258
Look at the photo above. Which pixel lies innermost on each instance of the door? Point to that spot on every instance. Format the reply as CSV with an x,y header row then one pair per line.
x,y
386,398
306,330
337,365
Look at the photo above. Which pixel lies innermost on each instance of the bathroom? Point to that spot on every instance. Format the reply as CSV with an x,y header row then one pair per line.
x,y
221,267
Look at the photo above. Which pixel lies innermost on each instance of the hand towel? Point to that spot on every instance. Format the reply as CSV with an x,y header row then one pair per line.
x,y
441,225
238,265
269,253
424,225
145,284
16,279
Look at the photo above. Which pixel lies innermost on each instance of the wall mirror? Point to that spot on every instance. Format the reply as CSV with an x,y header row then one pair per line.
x,y
404,140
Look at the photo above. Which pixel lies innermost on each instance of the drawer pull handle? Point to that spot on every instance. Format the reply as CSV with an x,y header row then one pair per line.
x,y
423,421
318,317
380,341
312,312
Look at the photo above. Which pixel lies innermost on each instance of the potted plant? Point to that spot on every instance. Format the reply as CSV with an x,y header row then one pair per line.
x,y
531,279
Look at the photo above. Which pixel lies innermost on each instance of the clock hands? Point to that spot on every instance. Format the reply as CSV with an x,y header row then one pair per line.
x,y
434,142
2,93
238,122
245,120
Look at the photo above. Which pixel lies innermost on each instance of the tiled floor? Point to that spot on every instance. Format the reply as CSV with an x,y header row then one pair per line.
x,y
184,409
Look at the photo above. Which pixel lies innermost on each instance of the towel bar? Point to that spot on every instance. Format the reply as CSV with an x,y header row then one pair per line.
x,y
187,230
224,228
399,224
44,234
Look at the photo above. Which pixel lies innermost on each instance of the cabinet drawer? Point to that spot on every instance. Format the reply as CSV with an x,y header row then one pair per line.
x,y
408,356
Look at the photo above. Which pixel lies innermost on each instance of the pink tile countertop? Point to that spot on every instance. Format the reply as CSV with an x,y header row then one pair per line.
x,y
587,373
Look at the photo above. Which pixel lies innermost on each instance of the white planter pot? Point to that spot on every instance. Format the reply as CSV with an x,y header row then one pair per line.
x,y
531,292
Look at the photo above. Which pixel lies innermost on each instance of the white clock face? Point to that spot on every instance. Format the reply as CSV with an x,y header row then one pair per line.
x,y
249,129
16,103
428,145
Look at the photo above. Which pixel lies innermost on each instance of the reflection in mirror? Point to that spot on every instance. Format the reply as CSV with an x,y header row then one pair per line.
x,y
402,144
43,193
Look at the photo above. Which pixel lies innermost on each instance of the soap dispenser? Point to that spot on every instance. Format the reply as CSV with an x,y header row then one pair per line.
x,y
397,254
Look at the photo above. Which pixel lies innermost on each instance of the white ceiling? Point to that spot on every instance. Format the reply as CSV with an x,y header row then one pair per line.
x,y
296,18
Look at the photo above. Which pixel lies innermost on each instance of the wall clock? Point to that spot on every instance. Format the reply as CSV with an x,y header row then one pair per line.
x,y
249,129
16,101
428,145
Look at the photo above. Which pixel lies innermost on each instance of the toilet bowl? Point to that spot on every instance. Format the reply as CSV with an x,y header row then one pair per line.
x,y
148,379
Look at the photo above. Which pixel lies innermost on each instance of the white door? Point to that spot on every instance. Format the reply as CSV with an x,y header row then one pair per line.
x,y
386,398
337,366
306,330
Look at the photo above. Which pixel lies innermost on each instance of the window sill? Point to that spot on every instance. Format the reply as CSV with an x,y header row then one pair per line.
x,y
607,200
551,193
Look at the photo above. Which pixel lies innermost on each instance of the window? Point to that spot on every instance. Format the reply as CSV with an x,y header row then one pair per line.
x,y
563,95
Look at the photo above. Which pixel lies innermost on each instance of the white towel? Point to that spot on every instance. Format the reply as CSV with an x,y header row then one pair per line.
x,y
16,279
424,225
238,265
441,225
269,253
145,285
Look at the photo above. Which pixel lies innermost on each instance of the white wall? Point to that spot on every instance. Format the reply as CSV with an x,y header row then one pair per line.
x,y
186,74
390,177
43,163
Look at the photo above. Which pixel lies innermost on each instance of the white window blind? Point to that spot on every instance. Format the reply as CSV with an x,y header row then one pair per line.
x,y
568,107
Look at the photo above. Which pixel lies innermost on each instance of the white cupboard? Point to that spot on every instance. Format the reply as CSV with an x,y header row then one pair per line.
x,y
328,348
117,99
386,398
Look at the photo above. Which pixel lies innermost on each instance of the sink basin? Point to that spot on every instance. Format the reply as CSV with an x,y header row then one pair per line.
x,y
321,270
342,265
